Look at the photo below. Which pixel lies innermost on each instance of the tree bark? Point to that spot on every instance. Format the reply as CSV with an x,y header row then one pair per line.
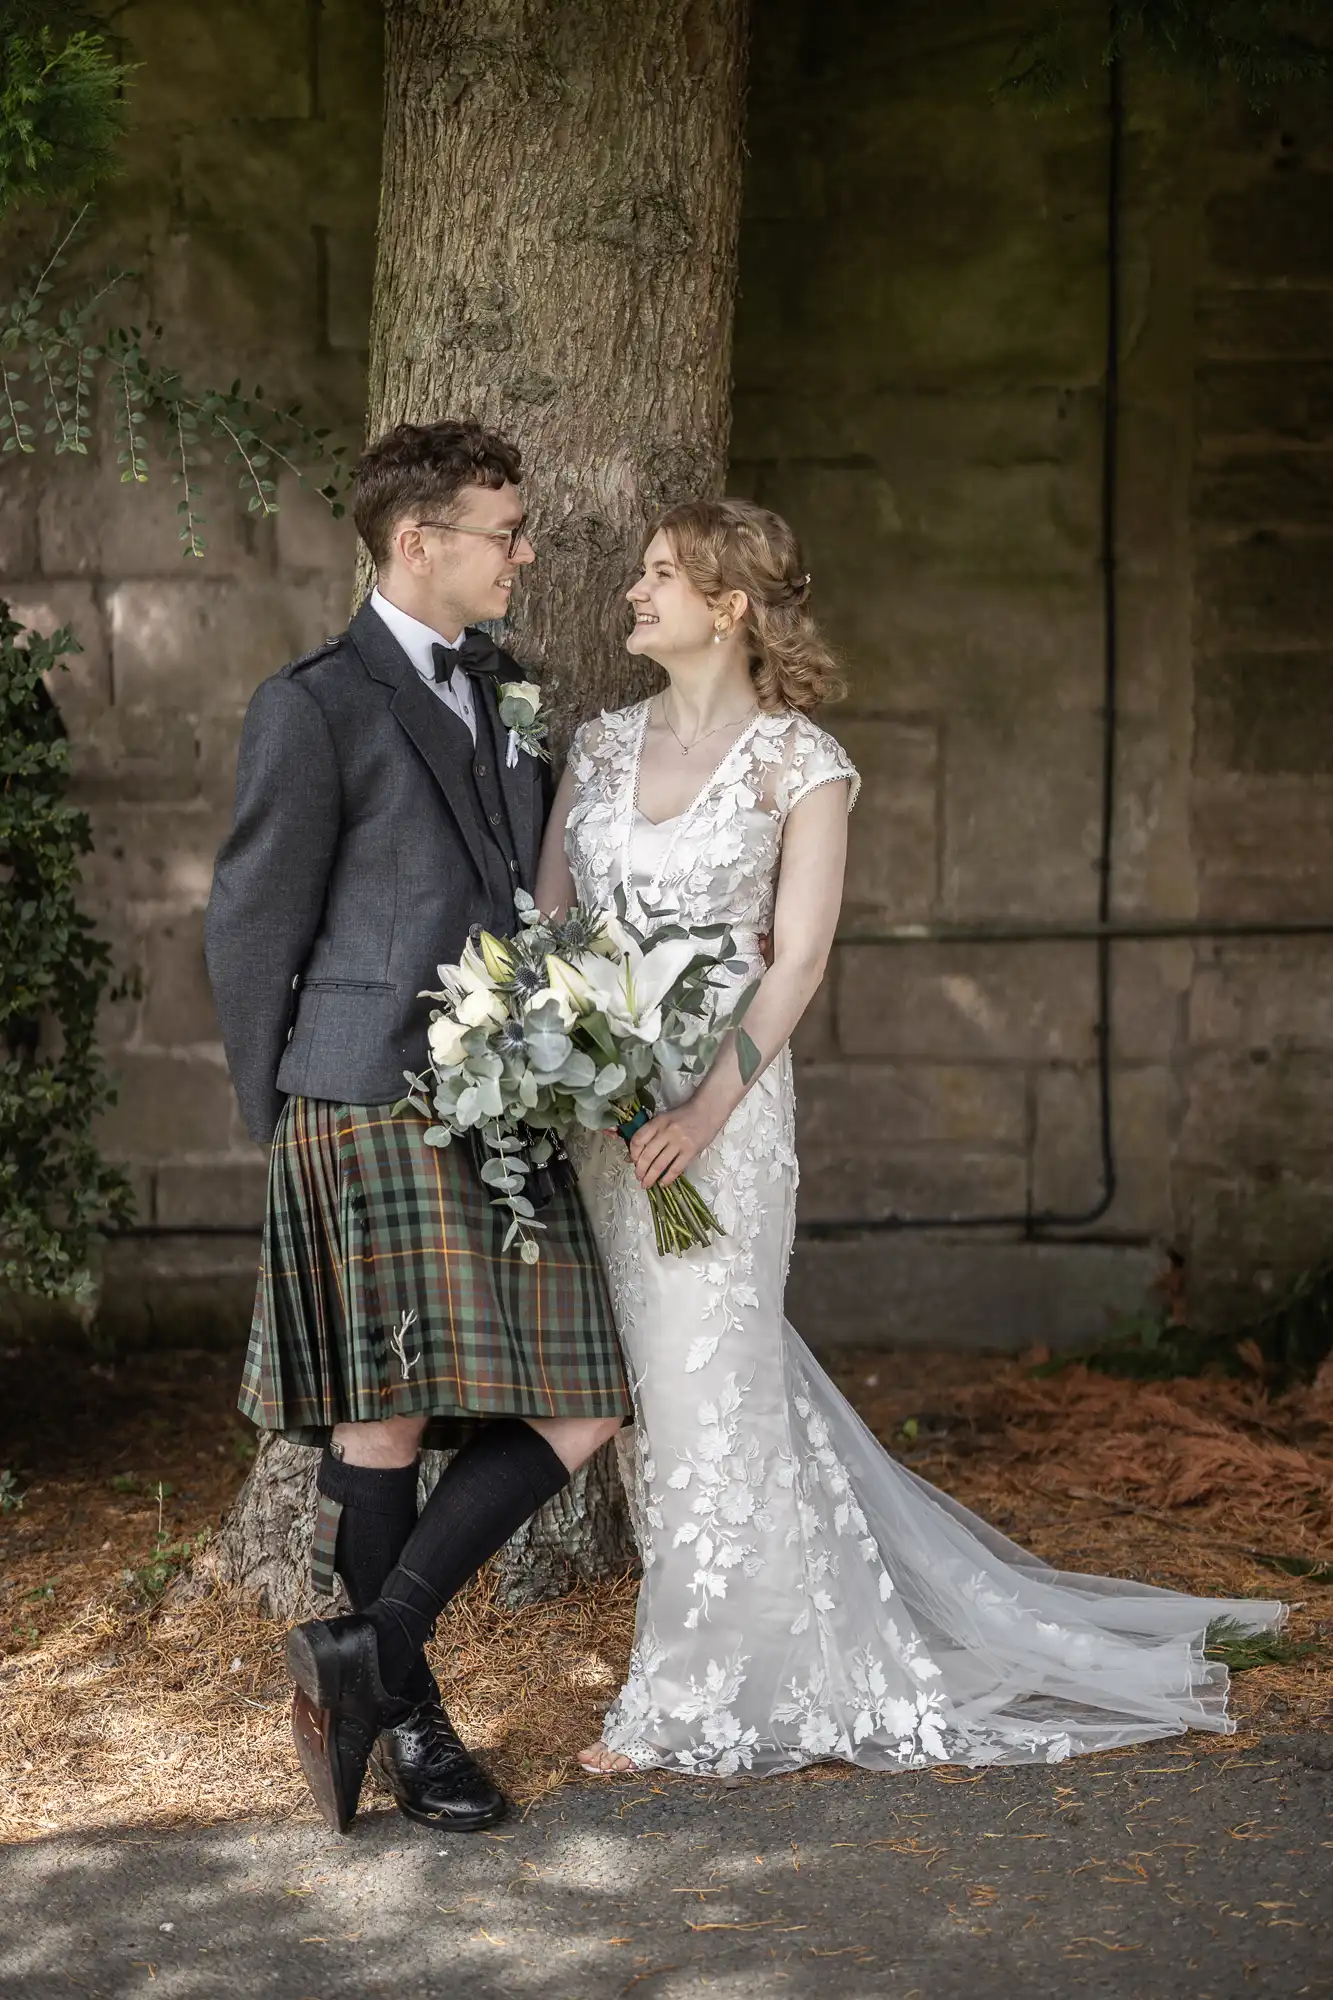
x,y
557,258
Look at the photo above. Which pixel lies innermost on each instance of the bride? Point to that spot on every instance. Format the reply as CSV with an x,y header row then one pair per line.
x,y
804,1596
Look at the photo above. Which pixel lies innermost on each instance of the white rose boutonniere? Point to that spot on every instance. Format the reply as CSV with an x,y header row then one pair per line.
x,y
521,712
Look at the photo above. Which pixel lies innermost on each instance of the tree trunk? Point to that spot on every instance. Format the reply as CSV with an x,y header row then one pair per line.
x,y
557,257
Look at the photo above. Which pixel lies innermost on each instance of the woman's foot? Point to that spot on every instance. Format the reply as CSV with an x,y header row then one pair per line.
x,y
604,1763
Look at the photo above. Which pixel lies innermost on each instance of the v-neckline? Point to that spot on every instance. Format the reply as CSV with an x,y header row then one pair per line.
x,y
708,782
677,820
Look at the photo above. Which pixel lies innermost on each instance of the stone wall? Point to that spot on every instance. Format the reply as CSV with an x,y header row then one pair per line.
x,y
248,206
919,373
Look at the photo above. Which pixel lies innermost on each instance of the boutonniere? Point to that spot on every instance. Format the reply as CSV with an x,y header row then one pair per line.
x,y
521,712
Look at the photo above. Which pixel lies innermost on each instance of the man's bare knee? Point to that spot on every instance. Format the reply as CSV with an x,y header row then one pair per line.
x,y
575,1439
388,1444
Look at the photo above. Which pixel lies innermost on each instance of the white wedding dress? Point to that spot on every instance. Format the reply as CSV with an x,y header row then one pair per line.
x,y
805,1596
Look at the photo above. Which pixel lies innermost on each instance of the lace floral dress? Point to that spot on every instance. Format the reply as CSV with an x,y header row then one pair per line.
x,y
804,1596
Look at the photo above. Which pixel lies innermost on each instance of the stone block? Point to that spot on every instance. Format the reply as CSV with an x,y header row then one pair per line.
x,y
1150,982
178,1292
321,172
228,1194
309,538
857,1109
1267,400
1257,1112
986,482
1254,325
1266,489
159,855
891,859
81,686
236,59
968,1003
258,278
219,737
178,1002
91,524
1265,997
1067,1171
349,59
910,1139
167,1105
1265,848
1265,712
912,1185
971,1293
1247,1238
814,1038
349,287
133,754
1270,592
18,523
1022,806
201,645
1280,228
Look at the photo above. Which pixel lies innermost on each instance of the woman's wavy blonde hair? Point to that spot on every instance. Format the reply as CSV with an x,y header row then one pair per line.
x,y
726,545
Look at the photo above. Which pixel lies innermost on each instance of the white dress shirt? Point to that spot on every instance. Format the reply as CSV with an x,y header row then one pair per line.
x,y
416,641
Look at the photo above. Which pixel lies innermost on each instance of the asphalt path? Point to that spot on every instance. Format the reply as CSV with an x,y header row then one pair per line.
x,y
1165,1874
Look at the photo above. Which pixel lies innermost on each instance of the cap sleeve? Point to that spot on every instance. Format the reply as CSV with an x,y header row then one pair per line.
x,y
816,759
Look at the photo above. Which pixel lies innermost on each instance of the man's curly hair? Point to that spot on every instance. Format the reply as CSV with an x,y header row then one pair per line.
x,y
421,469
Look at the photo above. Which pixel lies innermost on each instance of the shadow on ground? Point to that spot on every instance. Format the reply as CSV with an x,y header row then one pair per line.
x,y
1161,1872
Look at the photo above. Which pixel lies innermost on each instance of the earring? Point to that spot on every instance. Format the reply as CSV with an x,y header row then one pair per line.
x,y
720,633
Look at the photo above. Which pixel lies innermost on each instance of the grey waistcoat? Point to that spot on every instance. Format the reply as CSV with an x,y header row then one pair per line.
x,y
369,836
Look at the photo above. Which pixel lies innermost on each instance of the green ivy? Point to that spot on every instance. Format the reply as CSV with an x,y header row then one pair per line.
x,y
55,1189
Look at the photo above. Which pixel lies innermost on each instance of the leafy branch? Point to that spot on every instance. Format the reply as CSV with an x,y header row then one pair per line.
x,y
50,355
1246,42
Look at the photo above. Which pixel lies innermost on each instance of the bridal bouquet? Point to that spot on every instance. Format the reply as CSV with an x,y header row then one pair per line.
x,y
565,1025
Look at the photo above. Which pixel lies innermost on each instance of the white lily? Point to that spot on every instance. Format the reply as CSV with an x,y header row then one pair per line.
x,y
446,1042
564,979
472,974
613,940
631,991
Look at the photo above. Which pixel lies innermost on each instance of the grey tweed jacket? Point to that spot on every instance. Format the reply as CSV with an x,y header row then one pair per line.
x,y
358,860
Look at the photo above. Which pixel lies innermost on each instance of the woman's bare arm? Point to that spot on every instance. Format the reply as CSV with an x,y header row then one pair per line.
x,y
554,893
809,897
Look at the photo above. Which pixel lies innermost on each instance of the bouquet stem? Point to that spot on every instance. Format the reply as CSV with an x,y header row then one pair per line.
x,y
682,1219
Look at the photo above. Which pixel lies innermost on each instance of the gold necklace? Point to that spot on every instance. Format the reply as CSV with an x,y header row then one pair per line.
x,y
685,748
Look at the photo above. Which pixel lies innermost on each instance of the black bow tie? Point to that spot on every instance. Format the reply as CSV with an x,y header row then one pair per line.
x,y
478,655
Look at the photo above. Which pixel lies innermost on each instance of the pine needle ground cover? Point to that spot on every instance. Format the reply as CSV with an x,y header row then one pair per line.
x,y
117,1711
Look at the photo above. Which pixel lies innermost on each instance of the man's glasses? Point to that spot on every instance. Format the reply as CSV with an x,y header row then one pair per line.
x,y
511,537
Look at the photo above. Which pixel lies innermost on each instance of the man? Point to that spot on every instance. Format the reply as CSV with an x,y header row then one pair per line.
x,y
383,811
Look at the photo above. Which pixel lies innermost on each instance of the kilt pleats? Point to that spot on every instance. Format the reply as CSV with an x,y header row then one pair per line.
x,y
384,1291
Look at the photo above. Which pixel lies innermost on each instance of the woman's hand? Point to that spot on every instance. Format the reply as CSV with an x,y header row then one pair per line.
x,y
665,1147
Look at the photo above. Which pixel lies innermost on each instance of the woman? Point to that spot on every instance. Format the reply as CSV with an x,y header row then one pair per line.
x,y
804,1596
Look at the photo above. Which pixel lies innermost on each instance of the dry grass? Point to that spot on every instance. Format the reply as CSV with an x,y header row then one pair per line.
x,y
115,1715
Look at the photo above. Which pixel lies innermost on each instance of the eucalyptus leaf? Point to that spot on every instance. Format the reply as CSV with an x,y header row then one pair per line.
x,y
747,1055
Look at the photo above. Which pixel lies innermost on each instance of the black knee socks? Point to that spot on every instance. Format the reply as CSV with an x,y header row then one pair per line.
x,y
379,1512
485,1493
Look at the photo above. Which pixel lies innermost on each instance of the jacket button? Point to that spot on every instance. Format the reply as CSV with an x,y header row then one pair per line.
x,y
495,819
513,867
481,770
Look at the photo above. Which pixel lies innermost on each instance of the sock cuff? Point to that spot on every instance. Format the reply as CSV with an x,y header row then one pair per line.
x,y
375,1489
540,1464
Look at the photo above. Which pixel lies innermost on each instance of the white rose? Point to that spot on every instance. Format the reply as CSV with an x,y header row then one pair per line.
x,y
481,1010
446,1042
527,691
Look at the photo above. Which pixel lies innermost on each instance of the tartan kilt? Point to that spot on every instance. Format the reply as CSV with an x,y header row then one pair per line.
x,y
383,1289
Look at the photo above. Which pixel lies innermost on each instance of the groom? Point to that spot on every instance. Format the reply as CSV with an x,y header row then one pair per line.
x,y
382,812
